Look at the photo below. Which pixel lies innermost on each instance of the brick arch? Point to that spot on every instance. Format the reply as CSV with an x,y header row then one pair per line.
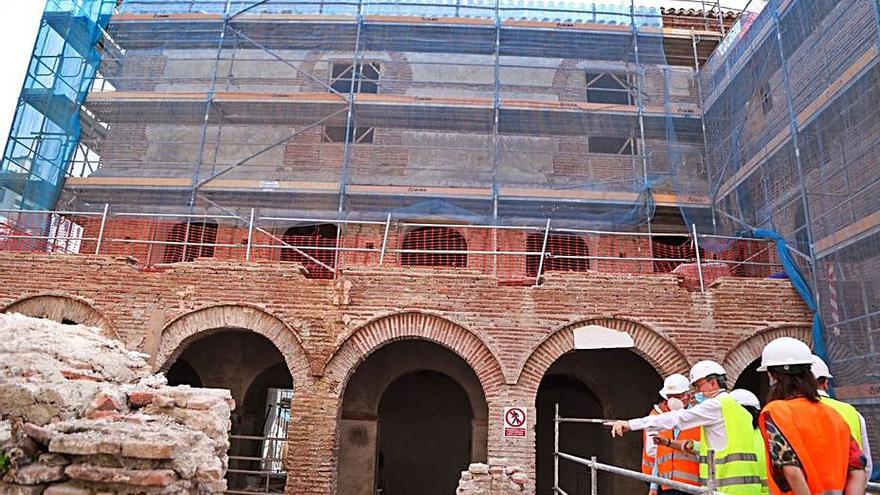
x,y
187,328
384,330
58,307
657,350
750,348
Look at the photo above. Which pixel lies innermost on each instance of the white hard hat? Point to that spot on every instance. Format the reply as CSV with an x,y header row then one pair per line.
x,y
674,384
820,369
745,398
785,351
704,369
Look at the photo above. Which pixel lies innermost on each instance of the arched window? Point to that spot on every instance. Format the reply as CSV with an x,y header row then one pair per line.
x,y
202,234
312,236
441,239
559,246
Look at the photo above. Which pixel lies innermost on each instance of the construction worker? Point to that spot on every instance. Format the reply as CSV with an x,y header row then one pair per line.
x,y
751,403
810,449
725,428
852,417
657,456
673,462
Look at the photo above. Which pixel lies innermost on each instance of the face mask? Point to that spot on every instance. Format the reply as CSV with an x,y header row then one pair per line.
x,y
699,397
674,404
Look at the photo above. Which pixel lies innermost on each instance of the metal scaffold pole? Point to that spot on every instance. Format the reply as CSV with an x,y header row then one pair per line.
x,y
556,450
350,130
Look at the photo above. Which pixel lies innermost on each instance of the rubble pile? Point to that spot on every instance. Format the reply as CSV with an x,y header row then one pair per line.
x,y
494,478
82,415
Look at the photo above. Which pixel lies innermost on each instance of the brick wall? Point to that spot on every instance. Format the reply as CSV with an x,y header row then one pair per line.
x,y
509,335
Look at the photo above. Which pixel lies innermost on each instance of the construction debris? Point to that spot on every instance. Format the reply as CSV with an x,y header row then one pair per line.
x,y
494,478
81,415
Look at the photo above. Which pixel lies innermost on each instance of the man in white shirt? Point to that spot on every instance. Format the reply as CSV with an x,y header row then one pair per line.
x,y
709,383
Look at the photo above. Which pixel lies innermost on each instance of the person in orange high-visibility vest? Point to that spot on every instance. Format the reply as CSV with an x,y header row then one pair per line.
x,y
810,449
676,458
675,395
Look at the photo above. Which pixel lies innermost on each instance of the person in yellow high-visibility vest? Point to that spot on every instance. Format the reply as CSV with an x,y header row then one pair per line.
x,y
725,427
750,401
853,418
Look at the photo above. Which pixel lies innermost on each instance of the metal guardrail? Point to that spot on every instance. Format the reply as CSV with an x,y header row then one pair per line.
x,y
596,466
242,473
260,230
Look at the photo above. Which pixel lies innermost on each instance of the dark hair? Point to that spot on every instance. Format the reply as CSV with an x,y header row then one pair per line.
x,y
721,379
755,412
792,382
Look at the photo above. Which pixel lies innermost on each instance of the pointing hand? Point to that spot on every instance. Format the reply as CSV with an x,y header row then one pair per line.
x,y
618,428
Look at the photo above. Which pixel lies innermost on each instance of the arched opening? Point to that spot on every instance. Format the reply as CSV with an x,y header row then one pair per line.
x,y
413,417
606,383
442,239
754,381
63,309
190,240
254,370
181,373
424,438
567,253
671,248
318,237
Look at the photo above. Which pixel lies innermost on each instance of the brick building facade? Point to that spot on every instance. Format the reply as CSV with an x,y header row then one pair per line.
x,y
326,330
365,262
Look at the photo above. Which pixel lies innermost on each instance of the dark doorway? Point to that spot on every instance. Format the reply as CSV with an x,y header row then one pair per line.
x,y
254,370
181,373
424,435
575,400
754,381
595,383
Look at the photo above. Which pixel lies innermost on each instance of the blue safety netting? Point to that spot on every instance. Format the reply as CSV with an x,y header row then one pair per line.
x,y
47,126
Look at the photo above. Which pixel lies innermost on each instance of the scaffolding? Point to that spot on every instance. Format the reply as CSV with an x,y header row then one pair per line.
x,y
355,109
790,126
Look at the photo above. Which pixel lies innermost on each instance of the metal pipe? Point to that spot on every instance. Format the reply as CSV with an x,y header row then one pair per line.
x,y
250,237
556,449
594,475
385,239
711,483
543,253
101,230
691,489
699,262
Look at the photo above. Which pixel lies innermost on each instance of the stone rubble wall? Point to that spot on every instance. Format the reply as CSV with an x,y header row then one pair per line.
x,y
82,415
494,478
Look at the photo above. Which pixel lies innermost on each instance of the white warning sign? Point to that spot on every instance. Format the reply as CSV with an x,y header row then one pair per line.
x,y
515,421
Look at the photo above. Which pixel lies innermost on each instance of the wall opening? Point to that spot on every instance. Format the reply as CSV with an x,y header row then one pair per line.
x,y
181,373
254,370
567,253
424,435
608,383
674,248
188,241
318,237
413,418
441,239
754,381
